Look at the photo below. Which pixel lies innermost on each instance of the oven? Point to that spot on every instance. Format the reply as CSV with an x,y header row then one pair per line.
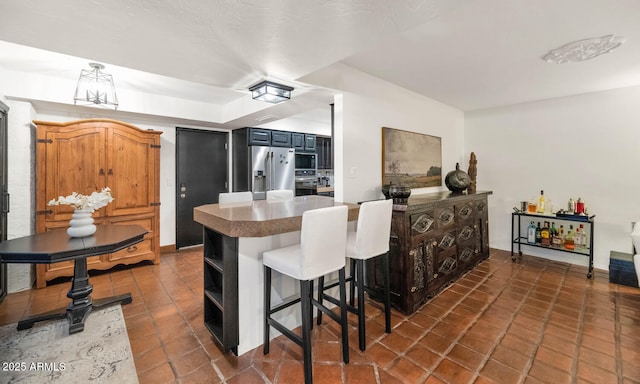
x,y
306,182
305,161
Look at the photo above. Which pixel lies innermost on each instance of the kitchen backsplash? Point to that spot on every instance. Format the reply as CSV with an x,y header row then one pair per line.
x,y
325,177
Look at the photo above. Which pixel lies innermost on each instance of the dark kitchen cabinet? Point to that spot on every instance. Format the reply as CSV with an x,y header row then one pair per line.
x,y
324,152
281,139
259,136
435,239
309,142
297,140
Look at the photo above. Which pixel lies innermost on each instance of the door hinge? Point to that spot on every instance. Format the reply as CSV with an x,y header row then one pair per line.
x,y
155,145
154,204
44,141
46,212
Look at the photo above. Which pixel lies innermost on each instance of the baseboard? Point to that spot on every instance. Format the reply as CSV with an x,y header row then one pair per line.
x,y
167,248
172,248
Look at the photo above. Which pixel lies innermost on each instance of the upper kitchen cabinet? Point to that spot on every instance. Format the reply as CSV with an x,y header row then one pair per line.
x,y
297,139
85,156
309,142
325,155
303,142
259,136
281,139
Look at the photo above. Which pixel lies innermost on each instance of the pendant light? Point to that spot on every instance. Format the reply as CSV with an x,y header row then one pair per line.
x,y
95,88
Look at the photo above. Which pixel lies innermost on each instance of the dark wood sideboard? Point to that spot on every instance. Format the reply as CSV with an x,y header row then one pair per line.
x,y
435,238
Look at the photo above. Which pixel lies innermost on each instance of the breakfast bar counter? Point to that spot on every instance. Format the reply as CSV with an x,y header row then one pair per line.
x,y
235,236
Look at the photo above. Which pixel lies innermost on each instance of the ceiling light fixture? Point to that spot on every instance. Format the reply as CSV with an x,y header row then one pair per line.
x,y
270,92
582,50
95,88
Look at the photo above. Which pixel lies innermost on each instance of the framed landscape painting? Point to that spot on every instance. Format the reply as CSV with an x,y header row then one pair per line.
x,y
411,159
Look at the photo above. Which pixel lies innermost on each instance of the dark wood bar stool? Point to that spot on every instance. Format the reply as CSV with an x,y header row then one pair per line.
x,y
370,240
321,251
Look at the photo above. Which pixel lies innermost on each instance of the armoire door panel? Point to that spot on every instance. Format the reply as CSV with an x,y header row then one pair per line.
x,y
73,161
130,163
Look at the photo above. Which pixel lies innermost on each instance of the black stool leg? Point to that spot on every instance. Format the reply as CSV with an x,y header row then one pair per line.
x,y
359,276
352,287
267,308
343,316
305,299
320,298
387,292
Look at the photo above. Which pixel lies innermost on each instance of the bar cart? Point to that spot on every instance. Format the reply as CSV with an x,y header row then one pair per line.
x,y
520,240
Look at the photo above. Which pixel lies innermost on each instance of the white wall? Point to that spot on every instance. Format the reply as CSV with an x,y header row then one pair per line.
x,y
580,146
368,104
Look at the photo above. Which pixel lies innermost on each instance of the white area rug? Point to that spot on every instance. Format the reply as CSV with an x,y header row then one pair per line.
x,y
47,353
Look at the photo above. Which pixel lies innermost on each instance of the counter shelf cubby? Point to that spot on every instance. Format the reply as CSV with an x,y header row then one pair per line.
x,y
520,240
221,288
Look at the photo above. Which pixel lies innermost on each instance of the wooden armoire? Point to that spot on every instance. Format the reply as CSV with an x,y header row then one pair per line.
x,y
85,156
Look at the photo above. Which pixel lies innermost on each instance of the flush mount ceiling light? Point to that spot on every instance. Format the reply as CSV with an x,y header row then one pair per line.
x,y
582,50
95,88
270,92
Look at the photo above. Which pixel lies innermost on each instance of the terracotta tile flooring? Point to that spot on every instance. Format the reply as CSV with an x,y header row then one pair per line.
x,y
533,321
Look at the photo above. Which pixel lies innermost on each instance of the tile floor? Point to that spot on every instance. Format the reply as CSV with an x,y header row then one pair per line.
x,y
534,321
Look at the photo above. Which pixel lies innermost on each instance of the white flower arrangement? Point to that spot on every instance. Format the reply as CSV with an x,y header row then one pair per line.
x,y
91,203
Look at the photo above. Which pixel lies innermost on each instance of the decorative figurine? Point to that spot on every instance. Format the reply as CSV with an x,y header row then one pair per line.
x,y
457,181
472,172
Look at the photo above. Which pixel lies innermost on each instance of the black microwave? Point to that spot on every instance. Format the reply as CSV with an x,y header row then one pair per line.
x,y
305,160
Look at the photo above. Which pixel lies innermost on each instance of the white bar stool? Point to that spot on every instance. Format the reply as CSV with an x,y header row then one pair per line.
x,y
234,197
370,240
280,194
321,251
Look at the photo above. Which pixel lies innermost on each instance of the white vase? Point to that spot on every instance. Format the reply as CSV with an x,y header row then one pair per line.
x,y
81,224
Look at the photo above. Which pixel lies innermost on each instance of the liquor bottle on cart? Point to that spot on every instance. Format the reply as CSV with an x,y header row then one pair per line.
x,y
569,239
531,233
541,202
545,234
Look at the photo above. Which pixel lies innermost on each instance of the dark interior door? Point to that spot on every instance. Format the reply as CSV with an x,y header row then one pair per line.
x,y
201,174
4,194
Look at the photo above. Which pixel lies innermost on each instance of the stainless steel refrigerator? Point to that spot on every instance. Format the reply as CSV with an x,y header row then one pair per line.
x,y
271,168
261,168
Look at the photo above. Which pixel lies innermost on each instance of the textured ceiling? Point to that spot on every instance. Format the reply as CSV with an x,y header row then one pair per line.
x,y
468,54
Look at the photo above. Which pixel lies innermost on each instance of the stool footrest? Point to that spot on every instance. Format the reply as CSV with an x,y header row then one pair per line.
x,y
284,305
285,331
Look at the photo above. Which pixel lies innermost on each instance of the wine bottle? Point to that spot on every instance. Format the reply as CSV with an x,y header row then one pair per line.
x,y
538,234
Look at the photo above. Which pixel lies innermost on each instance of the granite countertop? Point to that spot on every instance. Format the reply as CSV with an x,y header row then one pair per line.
x,y
261,218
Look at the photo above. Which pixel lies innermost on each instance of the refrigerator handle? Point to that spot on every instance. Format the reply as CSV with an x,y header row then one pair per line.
x,y
269,170
273,172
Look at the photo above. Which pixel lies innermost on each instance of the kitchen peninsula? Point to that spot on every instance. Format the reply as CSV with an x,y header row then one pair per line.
x,y
235,236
